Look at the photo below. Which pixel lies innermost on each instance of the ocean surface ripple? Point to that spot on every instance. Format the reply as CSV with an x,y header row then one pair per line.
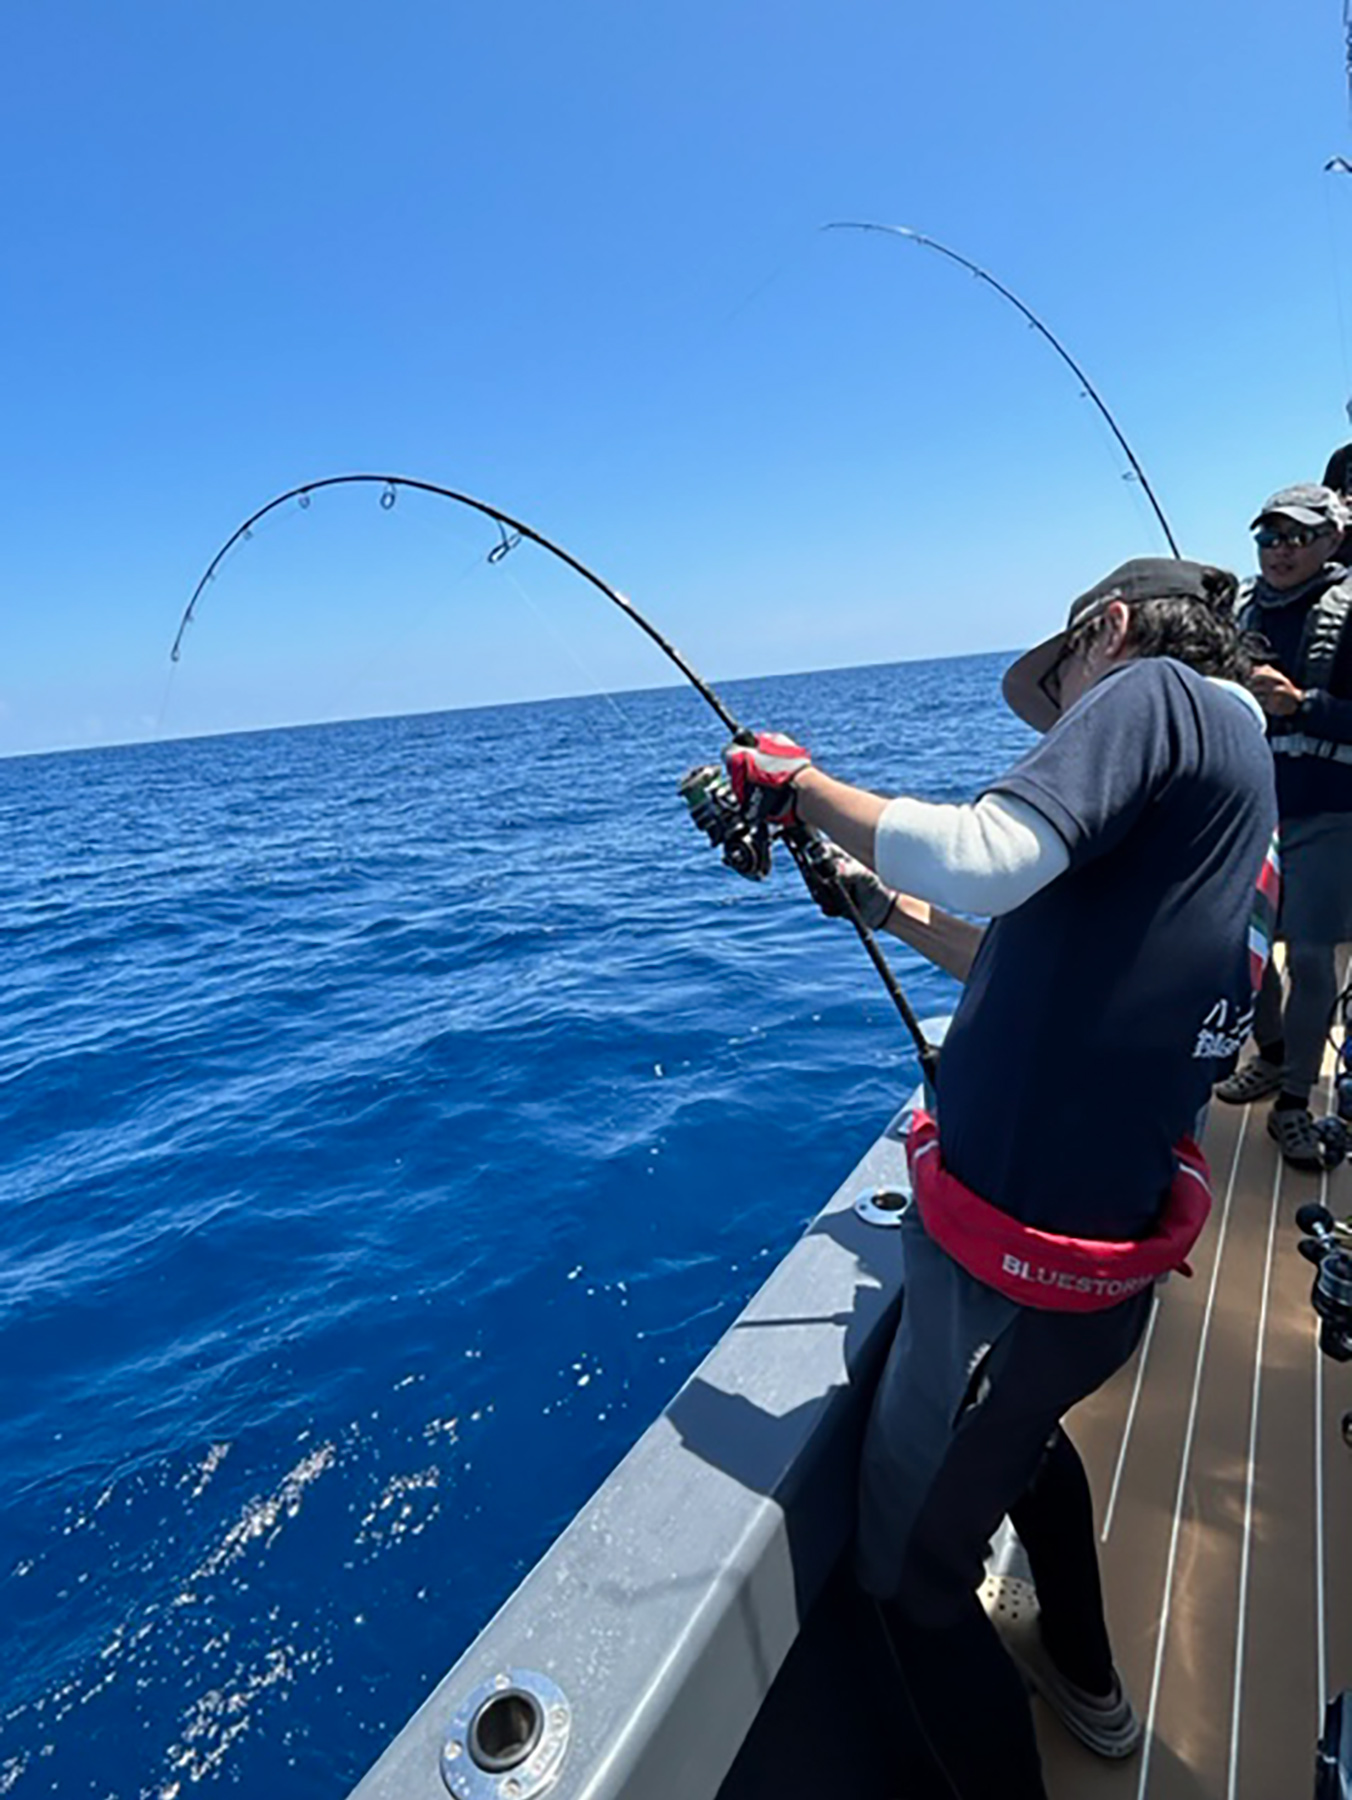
x,y
378,1099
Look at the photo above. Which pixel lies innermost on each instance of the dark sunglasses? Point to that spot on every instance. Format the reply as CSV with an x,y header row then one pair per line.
x,y
1267,537
1050,679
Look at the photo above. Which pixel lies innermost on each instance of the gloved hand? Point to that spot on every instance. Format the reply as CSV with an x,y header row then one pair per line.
x,y
871,898
762,776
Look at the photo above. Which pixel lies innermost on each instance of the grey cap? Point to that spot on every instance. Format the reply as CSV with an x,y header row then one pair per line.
x,y
1144,578
1308,504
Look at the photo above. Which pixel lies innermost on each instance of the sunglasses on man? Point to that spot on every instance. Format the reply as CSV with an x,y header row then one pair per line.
x,y
1300,537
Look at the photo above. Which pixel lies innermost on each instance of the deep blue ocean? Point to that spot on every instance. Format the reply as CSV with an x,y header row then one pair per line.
x,y
391,1116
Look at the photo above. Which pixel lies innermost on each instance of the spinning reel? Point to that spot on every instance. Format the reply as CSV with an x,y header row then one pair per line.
x,y
1333,1758
714,808
746,847
1335,1132
1328,1245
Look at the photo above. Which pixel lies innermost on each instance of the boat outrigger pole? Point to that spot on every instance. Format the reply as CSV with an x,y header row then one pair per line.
x,y
1090,391
803,845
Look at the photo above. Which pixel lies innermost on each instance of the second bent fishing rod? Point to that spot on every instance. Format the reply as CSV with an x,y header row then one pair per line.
x,y
1087,386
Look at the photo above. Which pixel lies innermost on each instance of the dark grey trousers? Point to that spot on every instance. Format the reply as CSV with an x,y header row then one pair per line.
x,y
1316,916
964,1430
1300,1013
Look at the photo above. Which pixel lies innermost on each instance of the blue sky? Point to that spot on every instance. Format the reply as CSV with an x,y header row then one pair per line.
x,y
567,258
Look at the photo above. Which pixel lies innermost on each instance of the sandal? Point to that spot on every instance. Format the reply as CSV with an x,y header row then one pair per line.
x,y
1293,1129
1253,1080
1107,1725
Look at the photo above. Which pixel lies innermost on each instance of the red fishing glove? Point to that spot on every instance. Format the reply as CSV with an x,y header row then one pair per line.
x,y
762,776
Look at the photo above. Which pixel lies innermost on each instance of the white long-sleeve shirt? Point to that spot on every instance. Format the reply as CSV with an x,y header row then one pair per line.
x,y
986,857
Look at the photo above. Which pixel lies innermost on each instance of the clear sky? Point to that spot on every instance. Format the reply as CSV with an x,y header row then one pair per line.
x,y
566,257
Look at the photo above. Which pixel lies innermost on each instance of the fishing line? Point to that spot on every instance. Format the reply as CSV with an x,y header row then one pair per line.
x,y
565,643
1087,387
766,282
1140,505
1338,165
164,701
681,351
806,848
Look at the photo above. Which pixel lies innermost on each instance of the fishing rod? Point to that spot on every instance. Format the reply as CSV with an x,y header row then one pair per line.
x,y
1090,391
1339,165
706,791
390,486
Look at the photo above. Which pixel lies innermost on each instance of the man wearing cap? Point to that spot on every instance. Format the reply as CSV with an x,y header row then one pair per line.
x,y
1301,604
1119,861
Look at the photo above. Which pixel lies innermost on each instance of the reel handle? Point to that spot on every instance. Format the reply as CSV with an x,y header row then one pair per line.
x,y
1314,1218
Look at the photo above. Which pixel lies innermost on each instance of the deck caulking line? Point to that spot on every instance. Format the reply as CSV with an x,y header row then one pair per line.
x,y
1321,1649
1242,1608
1142,1360
1185,1459
1320,1629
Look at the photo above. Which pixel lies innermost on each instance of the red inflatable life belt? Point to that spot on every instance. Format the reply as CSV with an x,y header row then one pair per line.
x,y
1045,1268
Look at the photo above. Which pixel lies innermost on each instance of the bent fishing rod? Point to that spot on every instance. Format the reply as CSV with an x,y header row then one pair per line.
x,y
706,791
1087,386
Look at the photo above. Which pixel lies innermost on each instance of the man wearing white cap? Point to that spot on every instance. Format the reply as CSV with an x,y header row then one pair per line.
x,y
1301,604
1121,862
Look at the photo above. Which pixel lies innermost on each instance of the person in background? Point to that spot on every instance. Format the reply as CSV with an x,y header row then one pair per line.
x,y
1301,603
1120,862
1338,476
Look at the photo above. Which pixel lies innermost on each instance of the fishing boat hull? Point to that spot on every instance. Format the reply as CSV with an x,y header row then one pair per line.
x,y
694,1631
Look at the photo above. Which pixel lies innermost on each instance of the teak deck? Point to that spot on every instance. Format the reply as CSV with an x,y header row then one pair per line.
x,y
1224,1497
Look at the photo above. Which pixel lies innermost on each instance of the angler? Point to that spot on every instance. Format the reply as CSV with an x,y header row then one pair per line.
x,y
1120,862
1301,606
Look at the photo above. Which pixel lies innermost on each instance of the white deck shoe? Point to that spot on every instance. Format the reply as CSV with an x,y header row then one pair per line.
x,y
1107,1726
